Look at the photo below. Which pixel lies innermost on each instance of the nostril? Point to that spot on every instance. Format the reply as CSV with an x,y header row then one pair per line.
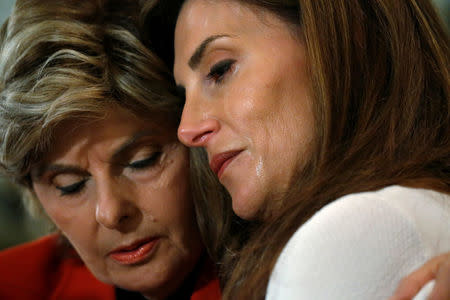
x,y
201,137
123,218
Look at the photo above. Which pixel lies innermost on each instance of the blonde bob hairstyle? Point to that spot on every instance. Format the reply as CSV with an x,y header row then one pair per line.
x,y
70,59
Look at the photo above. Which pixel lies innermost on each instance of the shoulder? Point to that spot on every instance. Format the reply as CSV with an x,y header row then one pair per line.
x,y
20,265
207,283
40,270
35,255
360,245
37,248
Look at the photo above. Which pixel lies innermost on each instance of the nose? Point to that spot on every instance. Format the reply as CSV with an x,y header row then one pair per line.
x,y
115,208
197,126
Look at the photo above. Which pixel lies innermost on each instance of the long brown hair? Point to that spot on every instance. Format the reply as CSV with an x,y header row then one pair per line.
x,y
380,77
379,72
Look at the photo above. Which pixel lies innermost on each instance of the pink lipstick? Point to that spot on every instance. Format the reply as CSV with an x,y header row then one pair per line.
x,y
134,253
220,161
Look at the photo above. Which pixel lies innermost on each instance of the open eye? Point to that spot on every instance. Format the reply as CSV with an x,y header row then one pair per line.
x,y
219,70
72,188
146,162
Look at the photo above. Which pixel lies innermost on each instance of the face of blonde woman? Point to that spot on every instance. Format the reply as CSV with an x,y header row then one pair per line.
x,y
117,188
247,98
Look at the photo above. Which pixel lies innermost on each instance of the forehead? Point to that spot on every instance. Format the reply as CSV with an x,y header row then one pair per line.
x,y
206,13
201,19
114,128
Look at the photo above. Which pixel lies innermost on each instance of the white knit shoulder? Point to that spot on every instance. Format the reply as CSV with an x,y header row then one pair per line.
x,y
361,245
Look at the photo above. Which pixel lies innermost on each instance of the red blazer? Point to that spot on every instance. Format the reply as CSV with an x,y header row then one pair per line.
x,y
37,271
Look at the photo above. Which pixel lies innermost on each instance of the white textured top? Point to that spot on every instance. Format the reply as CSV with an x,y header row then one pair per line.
x,y
361,245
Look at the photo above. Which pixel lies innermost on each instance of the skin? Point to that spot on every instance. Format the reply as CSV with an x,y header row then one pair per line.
x,y
123,182
258,104
243,97
437,268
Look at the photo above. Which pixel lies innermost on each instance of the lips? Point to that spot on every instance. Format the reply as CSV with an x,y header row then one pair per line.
x,y
220,161
135,252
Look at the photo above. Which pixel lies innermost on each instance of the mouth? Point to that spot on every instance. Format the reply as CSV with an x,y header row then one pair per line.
x,y
134,253
220,161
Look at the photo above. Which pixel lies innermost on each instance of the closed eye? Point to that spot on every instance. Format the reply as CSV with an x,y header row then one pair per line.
x,y
218,71
145,163
72,188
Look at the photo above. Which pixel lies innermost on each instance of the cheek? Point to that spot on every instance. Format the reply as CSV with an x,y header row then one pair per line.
x,y
67,215
181,217
71,219
175,214
51,206
288,102
176,209
277,117
79,227
257,114
75,227
169,201
250,105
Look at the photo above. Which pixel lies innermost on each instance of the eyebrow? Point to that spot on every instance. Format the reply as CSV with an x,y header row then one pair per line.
x,y
63,168
130,143
197,57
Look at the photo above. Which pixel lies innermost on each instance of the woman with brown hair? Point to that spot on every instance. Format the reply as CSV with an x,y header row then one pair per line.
x,y
88,123
329,124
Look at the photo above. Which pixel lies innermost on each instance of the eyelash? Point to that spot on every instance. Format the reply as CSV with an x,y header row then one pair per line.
x,y
71,189
145,163
219,70
135,166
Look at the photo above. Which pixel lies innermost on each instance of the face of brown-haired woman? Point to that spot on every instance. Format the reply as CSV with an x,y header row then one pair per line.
x,y
117,188
247,98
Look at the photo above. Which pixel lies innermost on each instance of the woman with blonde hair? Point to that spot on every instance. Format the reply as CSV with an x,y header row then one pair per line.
x,y
329,124
88,121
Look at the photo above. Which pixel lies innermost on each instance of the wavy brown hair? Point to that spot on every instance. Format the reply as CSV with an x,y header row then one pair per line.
x,y
379,71
381,84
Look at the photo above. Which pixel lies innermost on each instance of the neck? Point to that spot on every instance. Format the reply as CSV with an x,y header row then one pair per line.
x,y
186,288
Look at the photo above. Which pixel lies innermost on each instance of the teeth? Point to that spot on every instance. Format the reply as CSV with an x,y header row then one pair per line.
x,y
137,247
132,248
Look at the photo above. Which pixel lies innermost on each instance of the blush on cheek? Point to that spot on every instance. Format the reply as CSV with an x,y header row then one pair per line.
x,y
52,211
61,217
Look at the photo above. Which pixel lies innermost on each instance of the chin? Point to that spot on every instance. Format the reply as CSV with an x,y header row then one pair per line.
x,y
143,281
146,288
246,205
